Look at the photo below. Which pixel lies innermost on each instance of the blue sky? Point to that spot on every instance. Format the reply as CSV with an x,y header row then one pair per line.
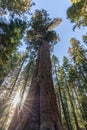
x,y
57,8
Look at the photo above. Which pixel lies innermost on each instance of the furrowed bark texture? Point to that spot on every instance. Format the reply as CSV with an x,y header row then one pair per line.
x,y
39,111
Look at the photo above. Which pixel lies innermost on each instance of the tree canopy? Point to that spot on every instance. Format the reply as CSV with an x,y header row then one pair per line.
x,y
40,29
77,13
10,36
15,5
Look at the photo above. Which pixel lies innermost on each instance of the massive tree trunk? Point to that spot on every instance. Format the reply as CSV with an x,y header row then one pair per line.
x,y
39,111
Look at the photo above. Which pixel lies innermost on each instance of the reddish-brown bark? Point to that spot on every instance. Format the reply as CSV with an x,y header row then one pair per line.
x,y
41,112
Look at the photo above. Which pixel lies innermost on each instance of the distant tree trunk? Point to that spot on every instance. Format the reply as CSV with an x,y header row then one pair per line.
x,y
62,98
73,109
39,111
65,109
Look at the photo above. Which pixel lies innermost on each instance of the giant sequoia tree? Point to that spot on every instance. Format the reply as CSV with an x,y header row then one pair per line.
x,y
39,111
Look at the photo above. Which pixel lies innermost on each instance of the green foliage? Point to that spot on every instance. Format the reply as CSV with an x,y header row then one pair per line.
x,y
12,33
9,40
72,74
15,5
77,13
39,30
75,1
78,52
84,37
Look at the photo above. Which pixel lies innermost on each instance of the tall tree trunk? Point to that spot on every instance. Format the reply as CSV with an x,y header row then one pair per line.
x,y
65,108
73,109
39,111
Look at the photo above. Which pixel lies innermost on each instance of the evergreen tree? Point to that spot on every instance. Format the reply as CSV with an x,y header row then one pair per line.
x,y
9,40
79,57
42,111
15,6
60,92
77,13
